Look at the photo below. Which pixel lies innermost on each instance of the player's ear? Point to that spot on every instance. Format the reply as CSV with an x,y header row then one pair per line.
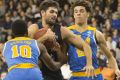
x,y
88,14
42,12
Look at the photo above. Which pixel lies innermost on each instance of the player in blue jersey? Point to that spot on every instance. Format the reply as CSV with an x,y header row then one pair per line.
x,y
22,54
76,57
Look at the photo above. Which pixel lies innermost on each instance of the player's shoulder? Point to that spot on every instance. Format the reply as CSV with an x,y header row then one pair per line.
x,y
99,36
99,32
91,28
33,26
71,27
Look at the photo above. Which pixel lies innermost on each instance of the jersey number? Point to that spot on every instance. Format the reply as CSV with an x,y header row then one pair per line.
x,y
24,51
80,53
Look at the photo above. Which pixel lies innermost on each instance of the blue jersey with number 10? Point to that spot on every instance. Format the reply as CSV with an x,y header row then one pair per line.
x,y
21,50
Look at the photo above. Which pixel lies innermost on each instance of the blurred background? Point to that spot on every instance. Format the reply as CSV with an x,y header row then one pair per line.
x,y
105,16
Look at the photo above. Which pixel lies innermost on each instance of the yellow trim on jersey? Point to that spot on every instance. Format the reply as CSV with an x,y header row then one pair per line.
x,y
22,65
21,38
83,74
87,40
92,28
80,53
73,27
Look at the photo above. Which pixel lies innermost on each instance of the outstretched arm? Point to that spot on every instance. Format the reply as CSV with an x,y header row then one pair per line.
x,y
102,44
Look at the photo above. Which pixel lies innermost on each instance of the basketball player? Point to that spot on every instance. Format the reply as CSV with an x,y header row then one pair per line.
x,y
94,38
22,54
49,11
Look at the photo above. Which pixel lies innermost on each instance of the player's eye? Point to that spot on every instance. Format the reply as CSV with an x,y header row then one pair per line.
x,y
75,11
82,10
52,11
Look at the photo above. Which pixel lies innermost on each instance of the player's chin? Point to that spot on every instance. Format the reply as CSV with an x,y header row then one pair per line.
x,y
52,22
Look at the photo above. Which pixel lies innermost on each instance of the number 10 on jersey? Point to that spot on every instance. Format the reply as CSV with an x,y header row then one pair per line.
x,y
21,51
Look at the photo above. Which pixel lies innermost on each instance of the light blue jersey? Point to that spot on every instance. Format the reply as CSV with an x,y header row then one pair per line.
x,y
21,55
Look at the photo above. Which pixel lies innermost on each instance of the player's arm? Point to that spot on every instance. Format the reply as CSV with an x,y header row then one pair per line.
x,y
49,35
61,51
64,49
1,49
79,43
45,57
32,29
103,46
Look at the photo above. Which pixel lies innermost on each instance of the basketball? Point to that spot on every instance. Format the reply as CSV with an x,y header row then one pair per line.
x,y
48,43
40,33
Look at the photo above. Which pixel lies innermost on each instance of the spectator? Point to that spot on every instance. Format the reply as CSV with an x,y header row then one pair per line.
x,y
15,16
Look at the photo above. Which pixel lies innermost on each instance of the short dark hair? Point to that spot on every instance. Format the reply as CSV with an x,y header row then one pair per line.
x,y
19,28
81,3
48,3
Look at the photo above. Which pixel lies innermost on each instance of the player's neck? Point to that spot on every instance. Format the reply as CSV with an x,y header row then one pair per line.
x,y
45,25
19,36
81,26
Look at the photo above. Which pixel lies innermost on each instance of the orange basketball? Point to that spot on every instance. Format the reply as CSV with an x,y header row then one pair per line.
x,y
40,33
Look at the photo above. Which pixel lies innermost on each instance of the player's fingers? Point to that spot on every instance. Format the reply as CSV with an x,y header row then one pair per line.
x,y
49,29
118,77
117,73
54,39
87,72
92,73
95,74
84,68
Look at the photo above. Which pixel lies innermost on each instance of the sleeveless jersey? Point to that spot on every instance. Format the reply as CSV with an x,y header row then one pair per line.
x,y
21,50
55,75
77,59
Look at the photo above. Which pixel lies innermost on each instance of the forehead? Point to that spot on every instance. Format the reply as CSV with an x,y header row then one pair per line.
x,y
79,8
52,9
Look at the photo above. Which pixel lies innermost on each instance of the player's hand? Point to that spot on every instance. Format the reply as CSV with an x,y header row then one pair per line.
x,y
89,71
117,72
56,46
50,35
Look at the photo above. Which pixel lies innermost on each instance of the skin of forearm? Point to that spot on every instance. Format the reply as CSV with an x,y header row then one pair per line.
x,y
111,59
61,56
112,62
41,39
88,54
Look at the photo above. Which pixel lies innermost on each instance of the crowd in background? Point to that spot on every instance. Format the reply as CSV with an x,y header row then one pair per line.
x,y
105,16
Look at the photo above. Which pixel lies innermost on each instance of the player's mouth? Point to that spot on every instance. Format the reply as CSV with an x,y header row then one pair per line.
x,y
53,18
